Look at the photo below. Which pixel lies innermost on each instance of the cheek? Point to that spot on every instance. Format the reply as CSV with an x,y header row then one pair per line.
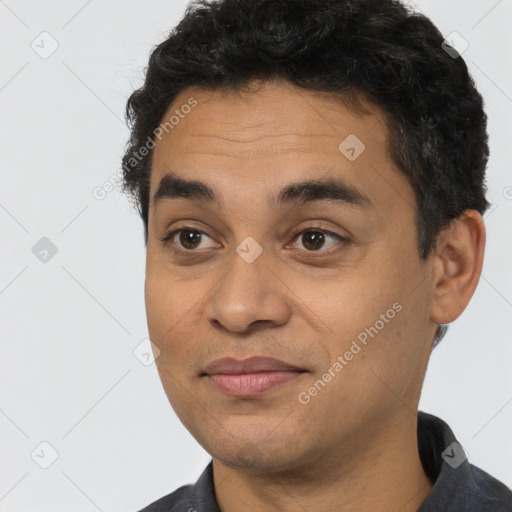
x,y
160,310
368,315
174,320
351,304
166,309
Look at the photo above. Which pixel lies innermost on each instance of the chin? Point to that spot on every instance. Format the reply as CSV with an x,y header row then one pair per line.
x,y
261,453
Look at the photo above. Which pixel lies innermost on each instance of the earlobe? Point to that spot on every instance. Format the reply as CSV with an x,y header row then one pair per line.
x,y
457,266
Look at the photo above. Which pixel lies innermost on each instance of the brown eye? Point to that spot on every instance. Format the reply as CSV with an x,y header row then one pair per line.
x,y
313,240
189,238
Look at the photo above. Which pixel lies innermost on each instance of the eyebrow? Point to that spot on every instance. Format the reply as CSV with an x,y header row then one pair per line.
x,y
172,186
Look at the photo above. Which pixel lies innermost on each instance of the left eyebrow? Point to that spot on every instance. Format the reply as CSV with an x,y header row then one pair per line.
x,y
172,186
325,189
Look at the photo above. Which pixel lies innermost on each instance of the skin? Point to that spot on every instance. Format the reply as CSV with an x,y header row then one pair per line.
x,y
353,446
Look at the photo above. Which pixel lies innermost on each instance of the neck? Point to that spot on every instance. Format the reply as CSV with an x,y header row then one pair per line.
x,y
382,472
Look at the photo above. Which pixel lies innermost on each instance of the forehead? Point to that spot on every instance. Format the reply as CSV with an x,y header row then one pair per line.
x,y
274,135
277,109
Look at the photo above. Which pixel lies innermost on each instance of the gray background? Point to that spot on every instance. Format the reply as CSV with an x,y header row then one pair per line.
x,y
69,325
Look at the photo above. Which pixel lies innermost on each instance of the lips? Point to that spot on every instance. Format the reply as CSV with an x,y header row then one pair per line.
x,y
250,365
251,376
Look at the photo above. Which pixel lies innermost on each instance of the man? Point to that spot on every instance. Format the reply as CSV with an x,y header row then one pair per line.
x,y
310,174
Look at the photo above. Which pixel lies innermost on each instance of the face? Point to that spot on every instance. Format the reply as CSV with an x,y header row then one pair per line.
x,y
325,279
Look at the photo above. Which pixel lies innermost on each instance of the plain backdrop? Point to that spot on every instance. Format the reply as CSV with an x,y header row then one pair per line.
x,y
72,266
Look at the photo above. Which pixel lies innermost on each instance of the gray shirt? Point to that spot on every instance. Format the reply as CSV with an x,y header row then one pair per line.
x,y
458,486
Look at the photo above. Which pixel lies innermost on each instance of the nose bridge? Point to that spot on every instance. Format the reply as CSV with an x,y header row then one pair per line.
x,y
248,292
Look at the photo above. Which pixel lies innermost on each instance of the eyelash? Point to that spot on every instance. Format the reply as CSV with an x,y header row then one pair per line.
x,y
295,234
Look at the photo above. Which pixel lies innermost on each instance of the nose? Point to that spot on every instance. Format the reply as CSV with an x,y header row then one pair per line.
x,y
249,296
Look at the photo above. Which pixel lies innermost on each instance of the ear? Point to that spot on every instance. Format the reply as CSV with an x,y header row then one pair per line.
x,y
458,261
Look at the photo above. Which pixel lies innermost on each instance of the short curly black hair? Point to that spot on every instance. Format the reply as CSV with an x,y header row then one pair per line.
x,y
380,51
